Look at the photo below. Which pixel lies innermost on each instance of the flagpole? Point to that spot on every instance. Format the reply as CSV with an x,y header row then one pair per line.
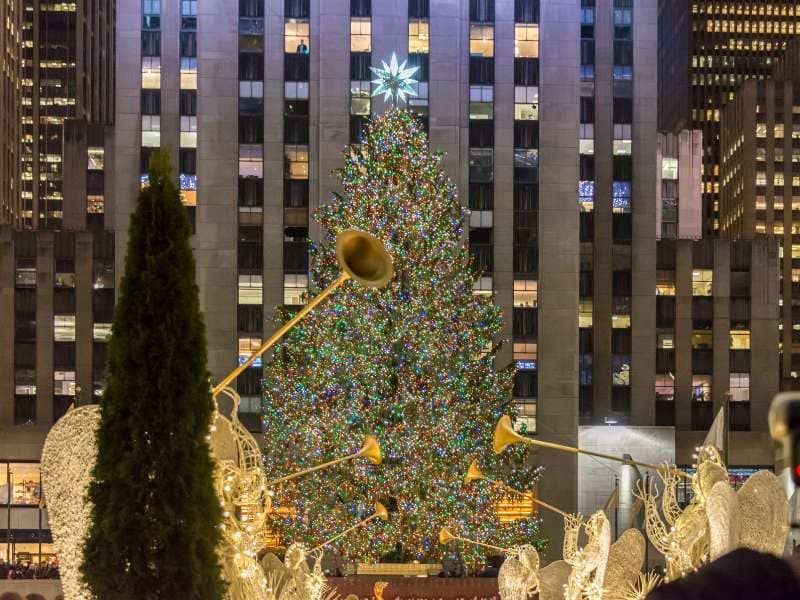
x,y
726,430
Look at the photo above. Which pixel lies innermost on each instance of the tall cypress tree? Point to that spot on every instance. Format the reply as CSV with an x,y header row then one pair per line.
x,y
156,516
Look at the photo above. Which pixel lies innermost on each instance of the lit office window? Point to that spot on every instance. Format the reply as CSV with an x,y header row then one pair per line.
x,y
702,280
740,339
481,40
251,289
526,103
418,36
64,383
701,388
526,41
151,131
740,387
296,162
297,37
295,289
526,293
360,34
151,72
188,75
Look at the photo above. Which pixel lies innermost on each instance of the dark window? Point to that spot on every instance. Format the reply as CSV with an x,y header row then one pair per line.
x,y
187,158
623,53
360,8
739,361
665,312
622,226
151,102
358,128
482,257
621,399
255,8
481,70
623,110
587,52
702,415
481,196
64,302
740,283
740,253
526,134
64,356
587,109
295,67
249,382
526,11
525,384
703,253
295,129
250,318
481,10
665,255
295,257
295,193
251,191
419,9
296,9
526,196
526,260
526,71
740,416
665,413
359,66
251,67
251,249
103,305
665,360
481,133
585,285
585,341
188,103
621,341
421,61
188,43
251,129
702,361
24,410
586,167
525,323
151,43
61,405
623,168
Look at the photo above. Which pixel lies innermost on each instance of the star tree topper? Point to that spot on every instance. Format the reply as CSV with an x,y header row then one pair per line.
x,y
394,80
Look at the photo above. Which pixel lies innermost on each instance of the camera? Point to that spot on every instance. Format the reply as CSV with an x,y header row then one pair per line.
x,y
784,426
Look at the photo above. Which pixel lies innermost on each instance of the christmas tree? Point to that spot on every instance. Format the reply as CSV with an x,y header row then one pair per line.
x,y
411,363
155,520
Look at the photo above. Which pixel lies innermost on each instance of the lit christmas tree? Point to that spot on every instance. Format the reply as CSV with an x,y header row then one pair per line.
x,y
411,363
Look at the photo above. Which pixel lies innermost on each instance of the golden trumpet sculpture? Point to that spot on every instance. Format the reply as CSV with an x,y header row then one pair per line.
x,y
474,473
371,450
446,536
505,436
380,513
361,257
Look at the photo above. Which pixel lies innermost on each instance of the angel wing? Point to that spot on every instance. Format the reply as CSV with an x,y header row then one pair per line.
x,y
603,551
724,519
512,580
625,561
552,580
68,458
764,511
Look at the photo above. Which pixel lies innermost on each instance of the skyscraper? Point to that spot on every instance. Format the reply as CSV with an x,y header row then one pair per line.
x,y
706,49
10,106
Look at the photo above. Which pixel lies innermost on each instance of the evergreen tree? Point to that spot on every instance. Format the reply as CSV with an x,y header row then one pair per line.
x,y
156,515
411,363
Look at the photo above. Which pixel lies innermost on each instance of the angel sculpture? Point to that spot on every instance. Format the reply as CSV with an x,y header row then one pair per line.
x,y
589,562
68,458
755,516
292,579
518,578
625,561
241,488
553,580
683,536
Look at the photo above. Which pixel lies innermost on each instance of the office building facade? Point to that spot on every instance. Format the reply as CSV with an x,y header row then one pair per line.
x,y
706,49
10,107
761,186
679,163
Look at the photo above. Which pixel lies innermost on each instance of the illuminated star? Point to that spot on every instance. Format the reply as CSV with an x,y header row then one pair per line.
x,y
394,80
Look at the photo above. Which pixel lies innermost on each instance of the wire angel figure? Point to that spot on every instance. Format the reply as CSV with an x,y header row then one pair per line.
x,y
518,577
588,562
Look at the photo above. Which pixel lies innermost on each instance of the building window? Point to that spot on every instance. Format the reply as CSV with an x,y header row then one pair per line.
x,y
665,388
526,103
526,41
251,289
360,103
481,40
585,310
64,383
669,168
740,387
701,388
702,280
526,293
248,345
297,38
188,76
64,328
418,36
740,340
151,131
296,162
620,369
360,34
151,73
295,289
701,340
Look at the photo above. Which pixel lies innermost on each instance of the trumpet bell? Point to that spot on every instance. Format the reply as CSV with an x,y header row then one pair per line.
x,y
381,512
371,450
364,258
445,536
505,436
474,472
